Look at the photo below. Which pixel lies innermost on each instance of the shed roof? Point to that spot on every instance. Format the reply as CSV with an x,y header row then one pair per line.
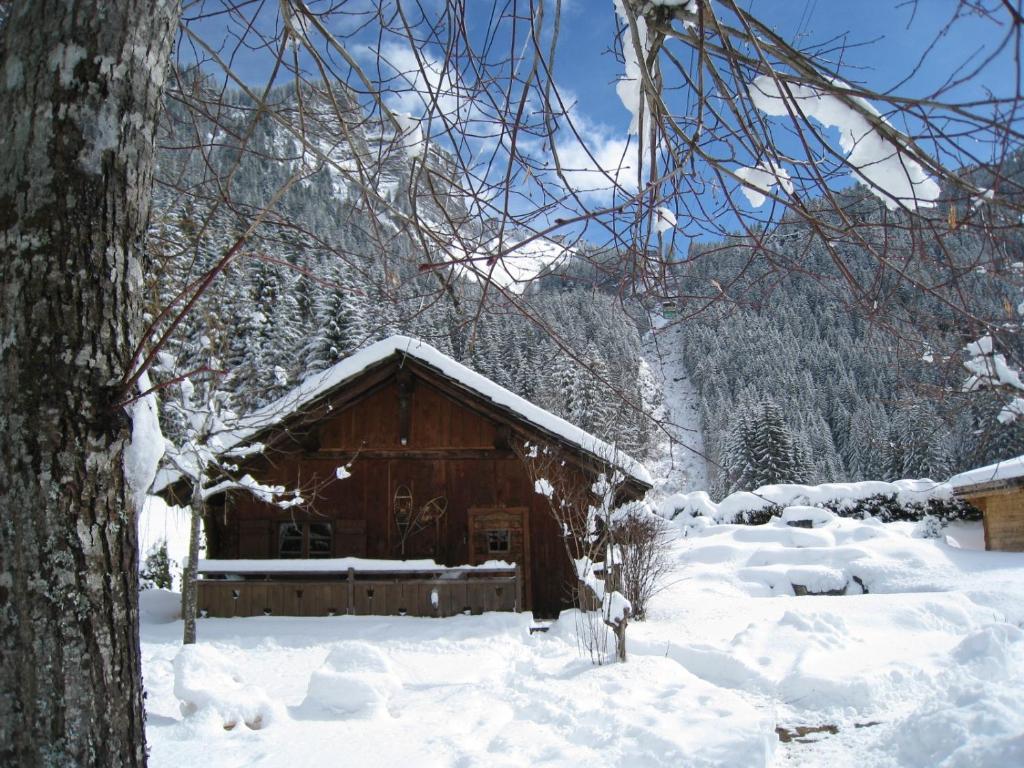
x,y
320,384
1002,474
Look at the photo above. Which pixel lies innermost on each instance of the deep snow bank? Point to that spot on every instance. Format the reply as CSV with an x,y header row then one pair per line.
x,y
686,506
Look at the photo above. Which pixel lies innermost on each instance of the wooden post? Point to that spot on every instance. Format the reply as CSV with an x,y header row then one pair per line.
x,y
620,638
351,591
519,589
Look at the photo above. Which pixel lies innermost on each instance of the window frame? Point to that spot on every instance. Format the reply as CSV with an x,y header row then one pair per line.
x,y
306,537
499,535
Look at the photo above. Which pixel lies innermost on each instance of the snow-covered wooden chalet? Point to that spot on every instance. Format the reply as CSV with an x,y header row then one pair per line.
x,y
998,491
415,498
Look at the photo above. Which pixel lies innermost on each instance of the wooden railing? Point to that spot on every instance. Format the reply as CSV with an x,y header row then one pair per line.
x,y
363,593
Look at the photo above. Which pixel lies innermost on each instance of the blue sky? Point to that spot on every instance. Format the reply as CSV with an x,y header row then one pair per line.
x,y
885,41
876,43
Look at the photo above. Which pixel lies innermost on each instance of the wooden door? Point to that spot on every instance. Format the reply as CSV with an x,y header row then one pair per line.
x,y
502,533
499,534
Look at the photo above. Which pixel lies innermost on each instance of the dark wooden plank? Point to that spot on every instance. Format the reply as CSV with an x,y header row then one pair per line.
x,y
443,454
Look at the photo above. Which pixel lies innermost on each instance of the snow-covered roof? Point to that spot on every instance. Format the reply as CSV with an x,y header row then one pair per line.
x,y
1000,472
321,383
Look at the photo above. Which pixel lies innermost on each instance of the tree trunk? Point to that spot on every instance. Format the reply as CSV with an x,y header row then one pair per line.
x,y
79,96
189,587
620,639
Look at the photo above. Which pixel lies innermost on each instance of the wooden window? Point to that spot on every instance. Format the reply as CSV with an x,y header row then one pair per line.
x,y
290,540
319,535
498,541
300,540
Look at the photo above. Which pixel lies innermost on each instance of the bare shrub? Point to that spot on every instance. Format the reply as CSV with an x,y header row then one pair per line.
x,y
642,555
584,509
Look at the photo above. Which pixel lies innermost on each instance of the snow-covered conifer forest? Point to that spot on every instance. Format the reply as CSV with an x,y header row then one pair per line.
x,y
857,399
772,254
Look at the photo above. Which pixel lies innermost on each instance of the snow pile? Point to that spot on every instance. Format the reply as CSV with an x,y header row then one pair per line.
x,y
791,560
159,606
815,517
356,680
213,693
791,658
837,555
916,655
888,170
976,720
925,669
685,507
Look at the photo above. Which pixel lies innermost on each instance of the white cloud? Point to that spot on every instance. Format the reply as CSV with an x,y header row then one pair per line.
x,y
600,160
415,85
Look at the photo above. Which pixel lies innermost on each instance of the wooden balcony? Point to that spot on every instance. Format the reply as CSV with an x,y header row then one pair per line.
x,y
437,591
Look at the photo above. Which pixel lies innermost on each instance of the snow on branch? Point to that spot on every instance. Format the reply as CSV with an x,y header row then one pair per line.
x,y
990,370
143,454
664,220
244,451
630,87
271,494
761,180
888,170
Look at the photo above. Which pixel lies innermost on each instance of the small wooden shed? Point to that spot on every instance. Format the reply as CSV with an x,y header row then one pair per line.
x,y
998,491
415,498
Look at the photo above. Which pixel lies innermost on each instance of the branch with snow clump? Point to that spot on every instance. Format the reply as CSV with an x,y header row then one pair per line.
x,y
664,220
760,180
143,454
990,370
888,170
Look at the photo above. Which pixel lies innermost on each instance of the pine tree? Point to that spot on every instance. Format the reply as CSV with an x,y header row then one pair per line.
x,y
738,455
761,449
340,327
924,442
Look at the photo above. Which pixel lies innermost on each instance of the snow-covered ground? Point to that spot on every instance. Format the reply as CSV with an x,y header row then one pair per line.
x,y
680,464
927,669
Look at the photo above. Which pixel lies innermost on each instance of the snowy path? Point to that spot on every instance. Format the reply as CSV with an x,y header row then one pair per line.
x,y
680,465
459,692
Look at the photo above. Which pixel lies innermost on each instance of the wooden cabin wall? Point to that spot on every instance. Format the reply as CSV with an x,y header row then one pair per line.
x,y
1003,512
451,452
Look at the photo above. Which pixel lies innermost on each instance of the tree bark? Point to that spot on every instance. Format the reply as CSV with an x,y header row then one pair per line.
x,y
79,96
620,639
189,587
